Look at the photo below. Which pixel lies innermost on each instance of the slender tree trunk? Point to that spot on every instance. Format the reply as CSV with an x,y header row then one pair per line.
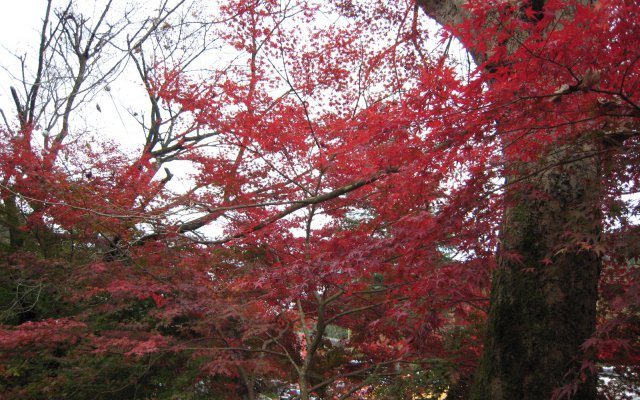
x,y
13,222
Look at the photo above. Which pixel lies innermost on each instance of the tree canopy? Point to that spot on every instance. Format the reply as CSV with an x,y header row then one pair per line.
x,y
349,185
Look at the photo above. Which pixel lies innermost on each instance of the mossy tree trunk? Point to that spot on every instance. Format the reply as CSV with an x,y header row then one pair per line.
x,y
544,292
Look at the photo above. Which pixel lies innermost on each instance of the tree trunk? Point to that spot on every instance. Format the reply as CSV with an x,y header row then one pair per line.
x,y
543,302
544,292
13,222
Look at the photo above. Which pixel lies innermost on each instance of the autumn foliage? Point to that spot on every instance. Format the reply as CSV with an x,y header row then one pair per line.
x,y
341,209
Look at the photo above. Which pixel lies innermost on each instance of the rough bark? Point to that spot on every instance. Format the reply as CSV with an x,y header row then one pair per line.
x,y
543,303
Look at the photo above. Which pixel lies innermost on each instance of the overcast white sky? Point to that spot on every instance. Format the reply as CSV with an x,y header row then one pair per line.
x,y
20,25
16,17
18,33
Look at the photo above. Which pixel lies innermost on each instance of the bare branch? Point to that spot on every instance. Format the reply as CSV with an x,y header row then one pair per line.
x,y
298,204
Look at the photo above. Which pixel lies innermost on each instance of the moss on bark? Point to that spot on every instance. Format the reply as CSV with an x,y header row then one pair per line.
x,y
544,292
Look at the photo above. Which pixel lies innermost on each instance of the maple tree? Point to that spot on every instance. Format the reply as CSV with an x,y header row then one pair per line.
x,y
363,209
